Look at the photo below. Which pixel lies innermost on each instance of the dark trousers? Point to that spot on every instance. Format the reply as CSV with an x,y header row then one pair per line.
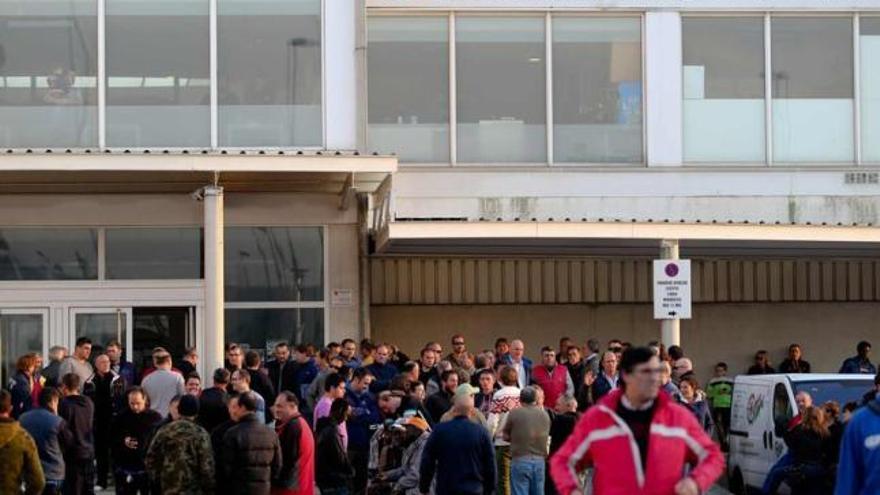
x,y
53,487
359,459
131,482
102,457
79,477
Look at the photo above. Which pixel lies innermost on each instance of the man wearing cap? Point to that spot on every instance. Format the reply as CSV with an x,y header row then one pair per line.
x,y
180,459
461,455
405,478
474,414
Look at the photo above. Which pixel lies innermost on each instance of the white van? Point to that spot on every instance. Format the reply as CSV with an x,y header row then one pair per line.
x,y
762,407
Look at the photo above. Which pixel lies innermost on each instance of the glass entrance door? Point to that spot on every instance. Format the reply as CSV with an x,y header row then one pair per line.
x,y
170,327
102,325
21,331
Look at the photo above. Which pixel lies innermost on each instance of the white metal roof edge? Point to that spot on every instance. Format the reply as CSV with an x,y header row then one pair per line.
x,y
199,162
643,231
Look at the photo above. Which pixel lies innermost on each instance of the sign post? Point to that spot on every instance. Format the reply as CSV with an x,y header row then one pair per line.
x,y
672,292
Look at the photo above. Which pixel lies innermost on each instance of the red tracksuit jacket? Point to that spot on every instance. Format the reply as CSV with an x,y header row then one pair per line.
x,y
603,440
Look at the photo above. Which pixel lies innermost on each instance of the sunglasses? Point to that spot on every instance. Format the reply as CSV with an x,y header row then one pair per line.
x,y
458,343
615,349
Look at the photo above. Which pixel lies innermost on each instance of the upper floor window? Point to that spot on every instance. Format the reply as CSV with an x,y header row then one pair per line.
x,y
48,73
812,89
269,73
158,73
723,83
512,72
408,81
158,80
597,90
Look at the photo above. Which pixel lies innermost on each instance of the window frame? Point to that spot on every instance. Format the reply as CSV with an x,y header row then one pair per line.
x,y
548,16
768,90
101,12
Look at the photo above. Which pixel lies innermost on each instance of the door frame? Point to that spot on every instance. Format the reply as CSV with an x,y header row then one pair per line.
x,y
73,311
44,312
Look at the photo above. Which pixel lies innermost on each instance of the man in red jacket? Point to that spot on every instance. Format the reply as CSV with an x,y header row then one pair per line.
x,y
553,378
638,441
297,475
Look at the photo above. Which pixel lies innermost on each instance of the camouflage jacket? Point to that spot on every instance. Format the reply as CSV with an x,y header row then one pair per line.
x,y
180,459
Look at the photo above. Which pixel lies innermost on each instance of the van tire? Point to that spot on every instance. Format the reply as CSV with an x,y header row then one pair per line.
x,y
737,485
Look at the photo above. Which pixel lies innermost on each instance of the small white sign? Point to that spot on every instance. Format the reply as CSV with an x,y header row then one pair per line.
x,y
672,289
342,297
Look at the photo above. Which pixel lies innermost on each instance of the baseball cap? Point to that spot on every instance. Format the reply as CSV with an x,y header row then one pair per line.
x,y
465,390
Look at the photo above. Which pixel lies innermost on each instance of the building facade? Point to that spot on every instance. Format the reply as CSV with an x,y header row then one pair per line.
x,y
198,172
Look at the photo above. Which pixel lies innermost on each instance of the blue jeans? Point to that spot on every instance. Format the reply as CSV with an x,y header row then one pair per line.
x,y
777,474
527,476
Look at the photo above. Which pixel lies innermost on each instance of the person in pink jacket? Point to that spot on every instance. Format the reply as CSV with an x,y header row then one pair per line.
x,y
638,441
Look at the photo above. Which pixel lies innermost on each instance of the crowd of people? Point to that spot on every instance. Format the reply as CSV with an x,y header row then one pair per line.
x,y
359,418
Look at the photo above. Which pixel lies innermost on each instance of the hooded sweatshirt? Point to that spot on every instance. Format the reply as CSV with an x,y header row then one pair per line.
x,y
78,411
20,460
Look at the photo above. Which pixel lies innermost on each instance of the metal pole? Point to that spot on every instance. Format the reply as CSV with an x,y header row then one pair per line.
x,y
670,330
214,298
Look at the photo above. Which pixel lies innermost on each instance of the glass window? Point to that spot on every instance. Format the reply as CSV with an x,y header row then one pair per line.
x,y
269,73
261,329
408,75
101,328
812,89
723,81
48,73
19,335
869,50
162,253
158,73
48,254
274,264
500,78
597,90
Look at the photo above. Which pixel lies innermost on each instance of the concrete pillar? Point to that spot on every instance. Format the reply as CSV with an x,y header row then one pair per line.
x,y
670,330
214,299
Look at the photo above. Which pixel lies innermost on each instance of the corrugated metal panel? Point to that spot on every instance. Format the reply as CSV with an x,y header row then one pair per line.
x,y
423,280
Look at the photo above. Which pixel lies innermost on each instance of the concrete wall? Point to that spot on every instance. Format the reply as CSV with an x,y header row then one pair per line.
x,y
718,332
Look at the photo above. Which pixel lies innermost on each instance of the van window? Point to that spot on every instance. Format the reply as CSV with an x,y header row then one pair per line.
x,y
782,411
841,391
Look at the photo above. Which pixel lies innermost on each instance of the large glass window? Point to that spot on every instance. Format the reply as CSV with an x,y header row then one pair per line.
x,y
20,333
261,329
597,90
409,87
269,73
154,253
158,73
274,264
48,73
812,84
501,87
869,50
48,254
723,81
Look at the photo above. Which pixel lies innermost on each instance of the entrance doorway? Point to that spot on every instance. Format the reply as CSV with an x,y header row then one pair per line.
x,y
170,327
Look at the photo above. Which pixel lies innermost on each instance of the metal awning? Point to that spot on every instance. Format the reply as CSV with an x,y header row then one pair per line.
x,y
161,171
623,238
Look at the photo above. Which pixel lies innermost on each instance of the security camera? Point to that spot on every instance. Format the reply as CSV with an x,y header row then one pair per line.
x,y
198,194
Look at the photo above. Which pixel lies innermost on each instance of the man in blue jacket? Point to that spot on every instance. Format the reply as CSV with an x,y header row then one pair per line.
x,y
860,363
858,472
51,435
459,452
364,414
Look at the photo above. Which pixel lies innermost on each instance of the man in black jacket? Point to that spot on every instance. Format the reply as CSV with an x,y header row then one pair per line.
x,y
131,433
334,472
213,410
260,382
251,454
282,369
439,403
79,460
